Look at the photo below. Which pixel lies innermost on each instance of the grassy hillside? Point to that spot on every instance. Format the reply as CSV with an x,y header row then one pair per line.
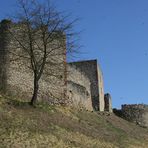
x,y
22,126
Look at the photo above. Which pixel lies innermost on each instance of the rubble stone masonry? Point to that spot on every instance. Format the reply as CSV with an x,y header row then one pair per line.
x,y
16,78
92,71
77,83
137,113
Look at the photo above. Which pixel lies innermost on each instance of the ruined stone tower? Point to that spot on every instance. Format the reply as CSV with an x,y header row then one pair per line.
x,y
108,102
16,78
91,70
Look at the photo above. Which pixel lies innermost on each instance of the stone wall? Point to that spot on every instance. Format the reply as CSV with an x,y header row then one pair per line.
x,y
101,88
137,113
78,88
91,70
108,102
81,81
3,54
16,77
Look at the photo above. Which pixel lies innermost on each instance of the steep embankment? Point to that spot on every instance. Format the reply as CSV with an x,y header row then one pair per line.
x,y
22,126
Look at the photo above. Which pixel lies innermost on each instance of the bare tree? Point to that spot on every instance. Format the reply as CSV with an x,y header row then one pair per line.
x,y
41,32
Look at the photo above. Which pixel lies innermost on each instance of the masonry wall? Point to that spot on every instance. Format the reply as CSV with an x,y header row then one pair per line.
x,y
78,88
101,88
137,113
3,56
108,102
17,78
83,81
94,74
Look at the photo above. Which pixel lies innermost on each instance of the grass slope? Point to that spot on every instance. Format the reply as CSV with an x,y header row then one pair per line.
x,y
22,126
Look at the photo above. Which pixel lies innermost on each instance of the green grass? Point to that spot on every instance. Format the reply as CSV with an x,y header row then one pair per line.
x,y
43,126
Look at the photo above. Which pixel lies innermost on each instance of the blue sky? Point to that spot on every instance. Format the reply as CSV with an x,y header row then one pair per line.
x,y
116,33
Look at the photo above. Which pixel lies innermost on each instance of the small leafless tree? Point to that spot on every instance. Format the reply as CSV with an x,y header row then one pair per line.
x,y
41,32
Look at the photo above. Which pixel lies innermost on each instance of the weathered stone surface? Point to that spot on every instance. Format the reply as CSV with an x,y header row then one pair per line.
x,y
78,83
4,40
137,113
17,78
108,103
78,88
92,71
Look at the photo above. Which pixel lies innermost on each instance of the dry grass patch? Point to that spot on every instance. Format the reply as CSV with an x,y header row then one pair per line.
x,y
22,126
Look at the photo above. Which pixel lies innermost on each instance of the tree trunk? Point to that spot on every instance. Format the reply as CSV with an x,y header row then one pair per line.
x,y
35,92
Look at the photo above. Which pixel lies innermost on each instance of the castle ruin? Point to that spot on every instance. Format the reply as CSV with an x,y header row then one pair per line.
x,y
79,83
137,113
